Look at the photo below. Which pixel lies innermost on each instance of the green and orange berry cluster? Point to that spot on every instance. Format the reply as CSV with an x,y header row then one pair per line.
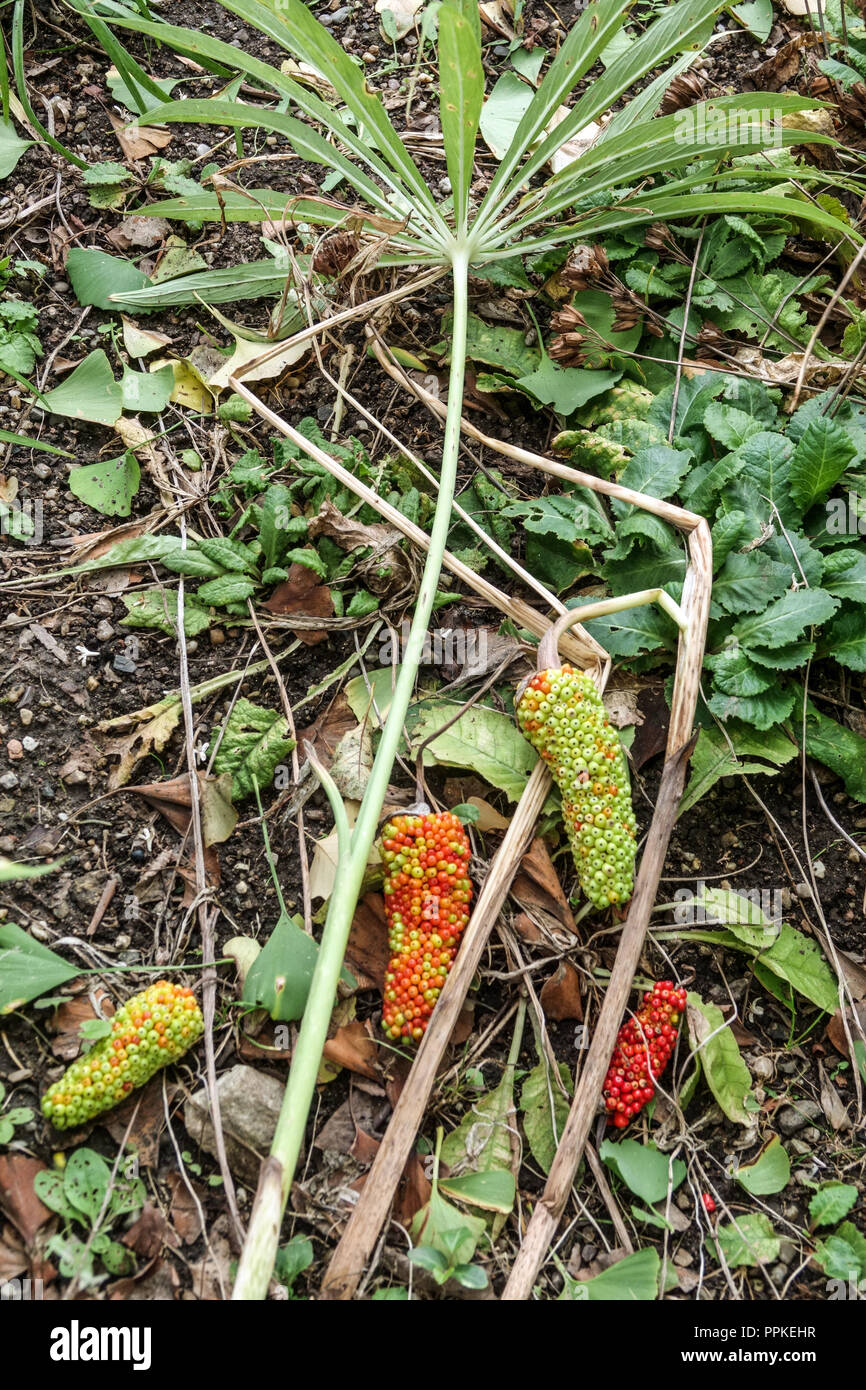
x,y
643,1049
152,1029
562,715
427,896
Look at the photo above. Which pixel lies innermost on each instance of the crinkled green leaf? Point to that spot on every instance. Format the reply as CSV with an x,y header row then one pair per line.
x,y
749,1240
254,742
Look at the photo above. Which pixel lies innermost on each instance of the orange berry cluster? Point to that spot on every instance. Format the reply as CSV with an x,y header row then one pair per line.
x,y
427,896
562,715
643,1049
152,1029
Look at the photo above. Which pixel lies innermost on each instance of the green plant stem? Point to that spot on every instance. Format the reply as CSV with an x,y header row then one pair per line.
x,y
257,1261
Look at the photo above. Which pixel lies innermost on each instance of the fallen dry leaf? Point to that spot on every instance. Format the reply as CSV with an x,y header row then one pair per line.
x,y
183,1212
353,1047
149,1233
211,1279
17,1198
14,1259
387,569
156,1282
413,1191
138,141
149,1109
560,996
66,1023
359,1112
367,952
302,593
536,887
138,230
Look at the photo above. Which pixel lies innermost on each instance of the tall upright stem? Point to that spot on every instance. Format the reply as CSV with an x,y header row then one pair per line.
x,y
260,1248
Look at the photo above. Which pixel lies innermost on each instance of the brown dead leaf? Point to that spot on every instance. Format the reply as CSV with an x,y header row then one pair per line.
x,y
836,1030
148,732
211,1279
387,569
560,996
156,1282
464,1025
302,593
526,928
326,731
353,1047
17,1198
143,1138
183,1211
537,889
413,1191
488,816
66,1022
360,1113
138,141
364,1147
149,1233
174,801
367,952
779,70
831,1102
652,730
14,1259
138,230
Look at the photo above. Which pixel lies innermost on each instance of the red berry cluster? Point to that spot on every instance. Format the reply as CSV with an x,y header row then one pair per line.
x,y
643,1049
427,896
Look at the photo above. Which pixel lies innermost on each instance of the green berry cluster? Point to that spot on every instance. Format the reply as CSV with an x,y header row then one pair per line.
x,y
152,1029
562,715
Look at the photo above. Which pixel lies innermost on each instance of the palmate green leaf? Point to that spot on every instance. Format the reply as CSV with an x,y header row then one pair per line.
x,y
595,27
461,79
682,26
254,742
726,1073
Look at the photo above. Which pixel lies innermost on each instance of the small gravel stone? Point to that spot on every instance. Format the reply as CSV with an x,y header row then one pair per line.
x,y
104,631
123,665
26,717
683,1258
8,781
764,1068
75,518
803,890
792,1118
778,1274
42,471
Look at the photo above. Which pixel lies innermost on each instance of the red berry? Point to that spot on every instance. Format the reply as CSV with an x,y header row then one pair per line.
x,y
709,1204
628,1084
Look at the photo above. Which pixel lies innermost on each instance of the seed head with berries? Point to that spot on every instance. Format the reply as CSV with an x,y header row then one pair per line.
x,y
152,1029
427,896
562,715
